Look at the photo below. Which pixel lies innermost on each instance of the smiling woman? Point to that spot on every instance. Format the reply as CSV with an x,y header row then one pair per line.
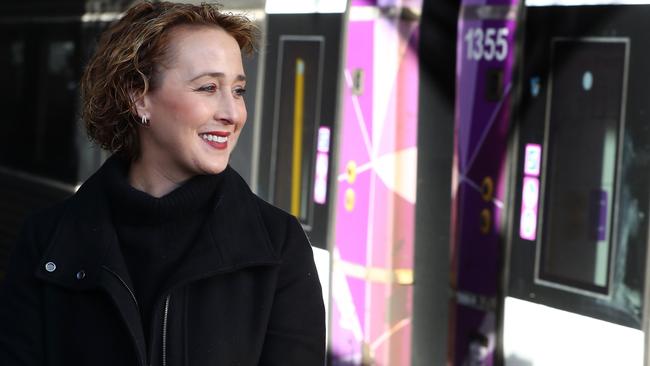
x,y
196,110
164,256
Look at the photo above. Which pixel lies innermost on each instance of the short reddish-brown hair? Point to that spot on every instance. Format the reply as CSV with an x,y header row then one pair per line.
x,y
126,62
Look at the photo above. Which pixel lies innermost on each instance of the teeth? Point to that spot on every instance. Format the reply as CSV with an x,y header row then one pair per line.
x,y
220,139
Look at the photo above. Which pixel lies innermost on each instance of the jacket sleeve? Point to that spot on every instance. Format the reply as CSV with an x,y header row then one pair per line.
x,y
21,325
296,332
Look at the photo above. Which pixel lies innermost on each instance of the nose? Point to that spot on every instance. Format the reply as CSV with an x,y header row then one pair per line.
x,y
229,109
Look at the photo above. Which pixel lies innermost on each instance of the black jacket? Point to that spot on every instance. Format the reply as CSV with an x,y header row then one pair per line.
x,y
247,294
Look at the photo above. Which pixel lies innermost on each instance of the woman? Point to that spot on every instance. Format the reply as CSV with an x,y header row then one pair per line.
x,y
164,256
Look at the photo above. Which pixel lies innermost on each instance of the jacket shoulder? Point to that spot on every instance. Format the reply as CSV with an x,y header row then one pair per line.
x,y
274,218
42,223
280,225
271,213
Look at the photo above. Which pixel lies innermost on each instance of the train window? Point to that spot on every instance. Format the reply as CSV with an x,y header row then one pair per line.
x,y
12,78
39,103
583,124
296,123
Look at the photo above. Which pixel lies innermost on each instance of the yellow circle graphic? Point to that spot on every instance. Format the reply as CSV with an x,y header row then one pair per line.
x,y
487,189
351,171
349,199
486,221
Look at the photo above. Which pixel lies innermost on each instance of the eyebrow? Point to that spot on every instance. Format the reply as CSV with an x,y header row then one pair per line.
x,y
218,75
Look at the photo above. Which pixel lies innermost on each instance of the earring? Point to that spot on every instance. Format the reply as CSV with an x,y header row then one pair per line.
x,y
144,121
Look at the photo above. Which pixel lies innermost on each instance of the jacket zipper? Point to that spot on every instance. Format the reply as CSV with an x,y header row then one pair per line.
x,y
135,301
166,310
164,330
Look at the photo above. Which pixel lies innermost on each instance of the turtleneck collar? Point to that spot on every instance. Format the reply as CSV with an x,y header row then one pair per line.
x,y
130,205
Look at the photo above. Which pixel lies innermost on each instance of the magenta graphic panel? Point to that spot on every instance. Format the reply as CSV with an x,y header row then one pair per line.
x,y
375,203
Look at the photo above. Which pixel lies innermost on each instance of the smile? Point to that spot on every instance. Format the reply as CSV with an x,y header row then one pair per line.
x,y
220,138
216,139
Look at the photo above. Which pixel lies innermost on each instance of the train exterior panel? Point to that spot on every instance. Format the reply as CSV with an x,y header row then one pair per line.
x,y
372,273
485,56
577,261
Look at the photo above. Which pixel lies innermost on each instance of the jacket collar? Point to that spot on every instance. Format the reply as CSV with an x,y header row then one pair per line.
x,y
85,240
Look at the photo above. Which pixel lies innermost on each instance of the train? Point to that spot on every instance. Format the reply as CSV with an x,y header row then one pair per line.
x,y
473,175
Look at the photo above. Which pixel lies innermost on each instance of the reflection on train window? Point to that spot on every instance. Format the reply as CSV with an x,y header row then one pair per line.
x,y
12,79
38,100
583,126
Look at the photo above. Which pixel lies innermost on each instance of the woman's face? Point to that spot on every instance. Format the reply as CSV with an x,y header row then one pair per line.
x,y
197,110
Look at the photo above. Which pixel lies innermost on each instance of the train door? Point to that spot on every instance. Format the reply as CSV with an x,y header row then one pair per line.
x,y
297,125
485,55
578,241
299,110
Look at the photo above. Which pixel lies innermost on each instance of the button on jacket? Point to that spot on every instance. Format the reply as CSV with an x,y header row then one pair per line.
x,y
247,294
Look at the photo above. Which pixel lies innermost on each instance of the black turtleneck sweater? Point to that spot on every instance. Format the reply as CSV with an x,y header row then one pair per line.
x,y
156,233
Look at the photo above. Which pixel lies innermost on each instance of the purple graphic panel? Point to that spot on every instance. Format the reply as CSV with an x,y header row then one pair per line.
x,y
484,75
364,2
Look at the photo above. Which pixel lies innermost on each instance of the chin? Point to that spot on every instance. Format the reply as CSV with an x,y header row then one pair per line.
x,y
214,168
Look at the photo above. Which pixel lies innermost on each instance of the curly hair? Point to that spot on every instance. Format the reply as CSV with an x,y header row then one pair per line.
x,y
126,62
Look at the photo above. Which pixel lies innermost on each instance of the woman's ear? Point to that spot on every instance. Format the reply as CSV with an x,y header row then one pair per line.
x,y
140,104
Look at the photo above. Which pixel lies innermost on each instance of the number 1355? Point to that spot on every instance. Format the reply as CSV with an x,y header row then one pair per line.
x,y
487,44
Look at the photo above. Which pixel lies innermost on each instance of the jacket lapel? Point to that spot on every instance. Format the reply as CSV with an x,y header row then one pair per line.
x,y
233,237
86,254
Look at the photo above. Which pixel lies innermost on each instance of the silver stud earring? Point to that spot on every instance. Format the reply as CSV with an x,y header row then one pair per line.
x,y
144,121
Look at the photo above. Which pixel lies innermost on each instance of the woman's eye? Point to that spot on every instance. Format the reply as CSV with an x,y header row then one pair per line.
x,y
208,88
240,92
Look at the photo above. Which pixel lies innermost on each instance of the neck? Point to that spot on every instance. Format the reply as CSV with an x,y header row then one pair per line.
x,y
151,179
